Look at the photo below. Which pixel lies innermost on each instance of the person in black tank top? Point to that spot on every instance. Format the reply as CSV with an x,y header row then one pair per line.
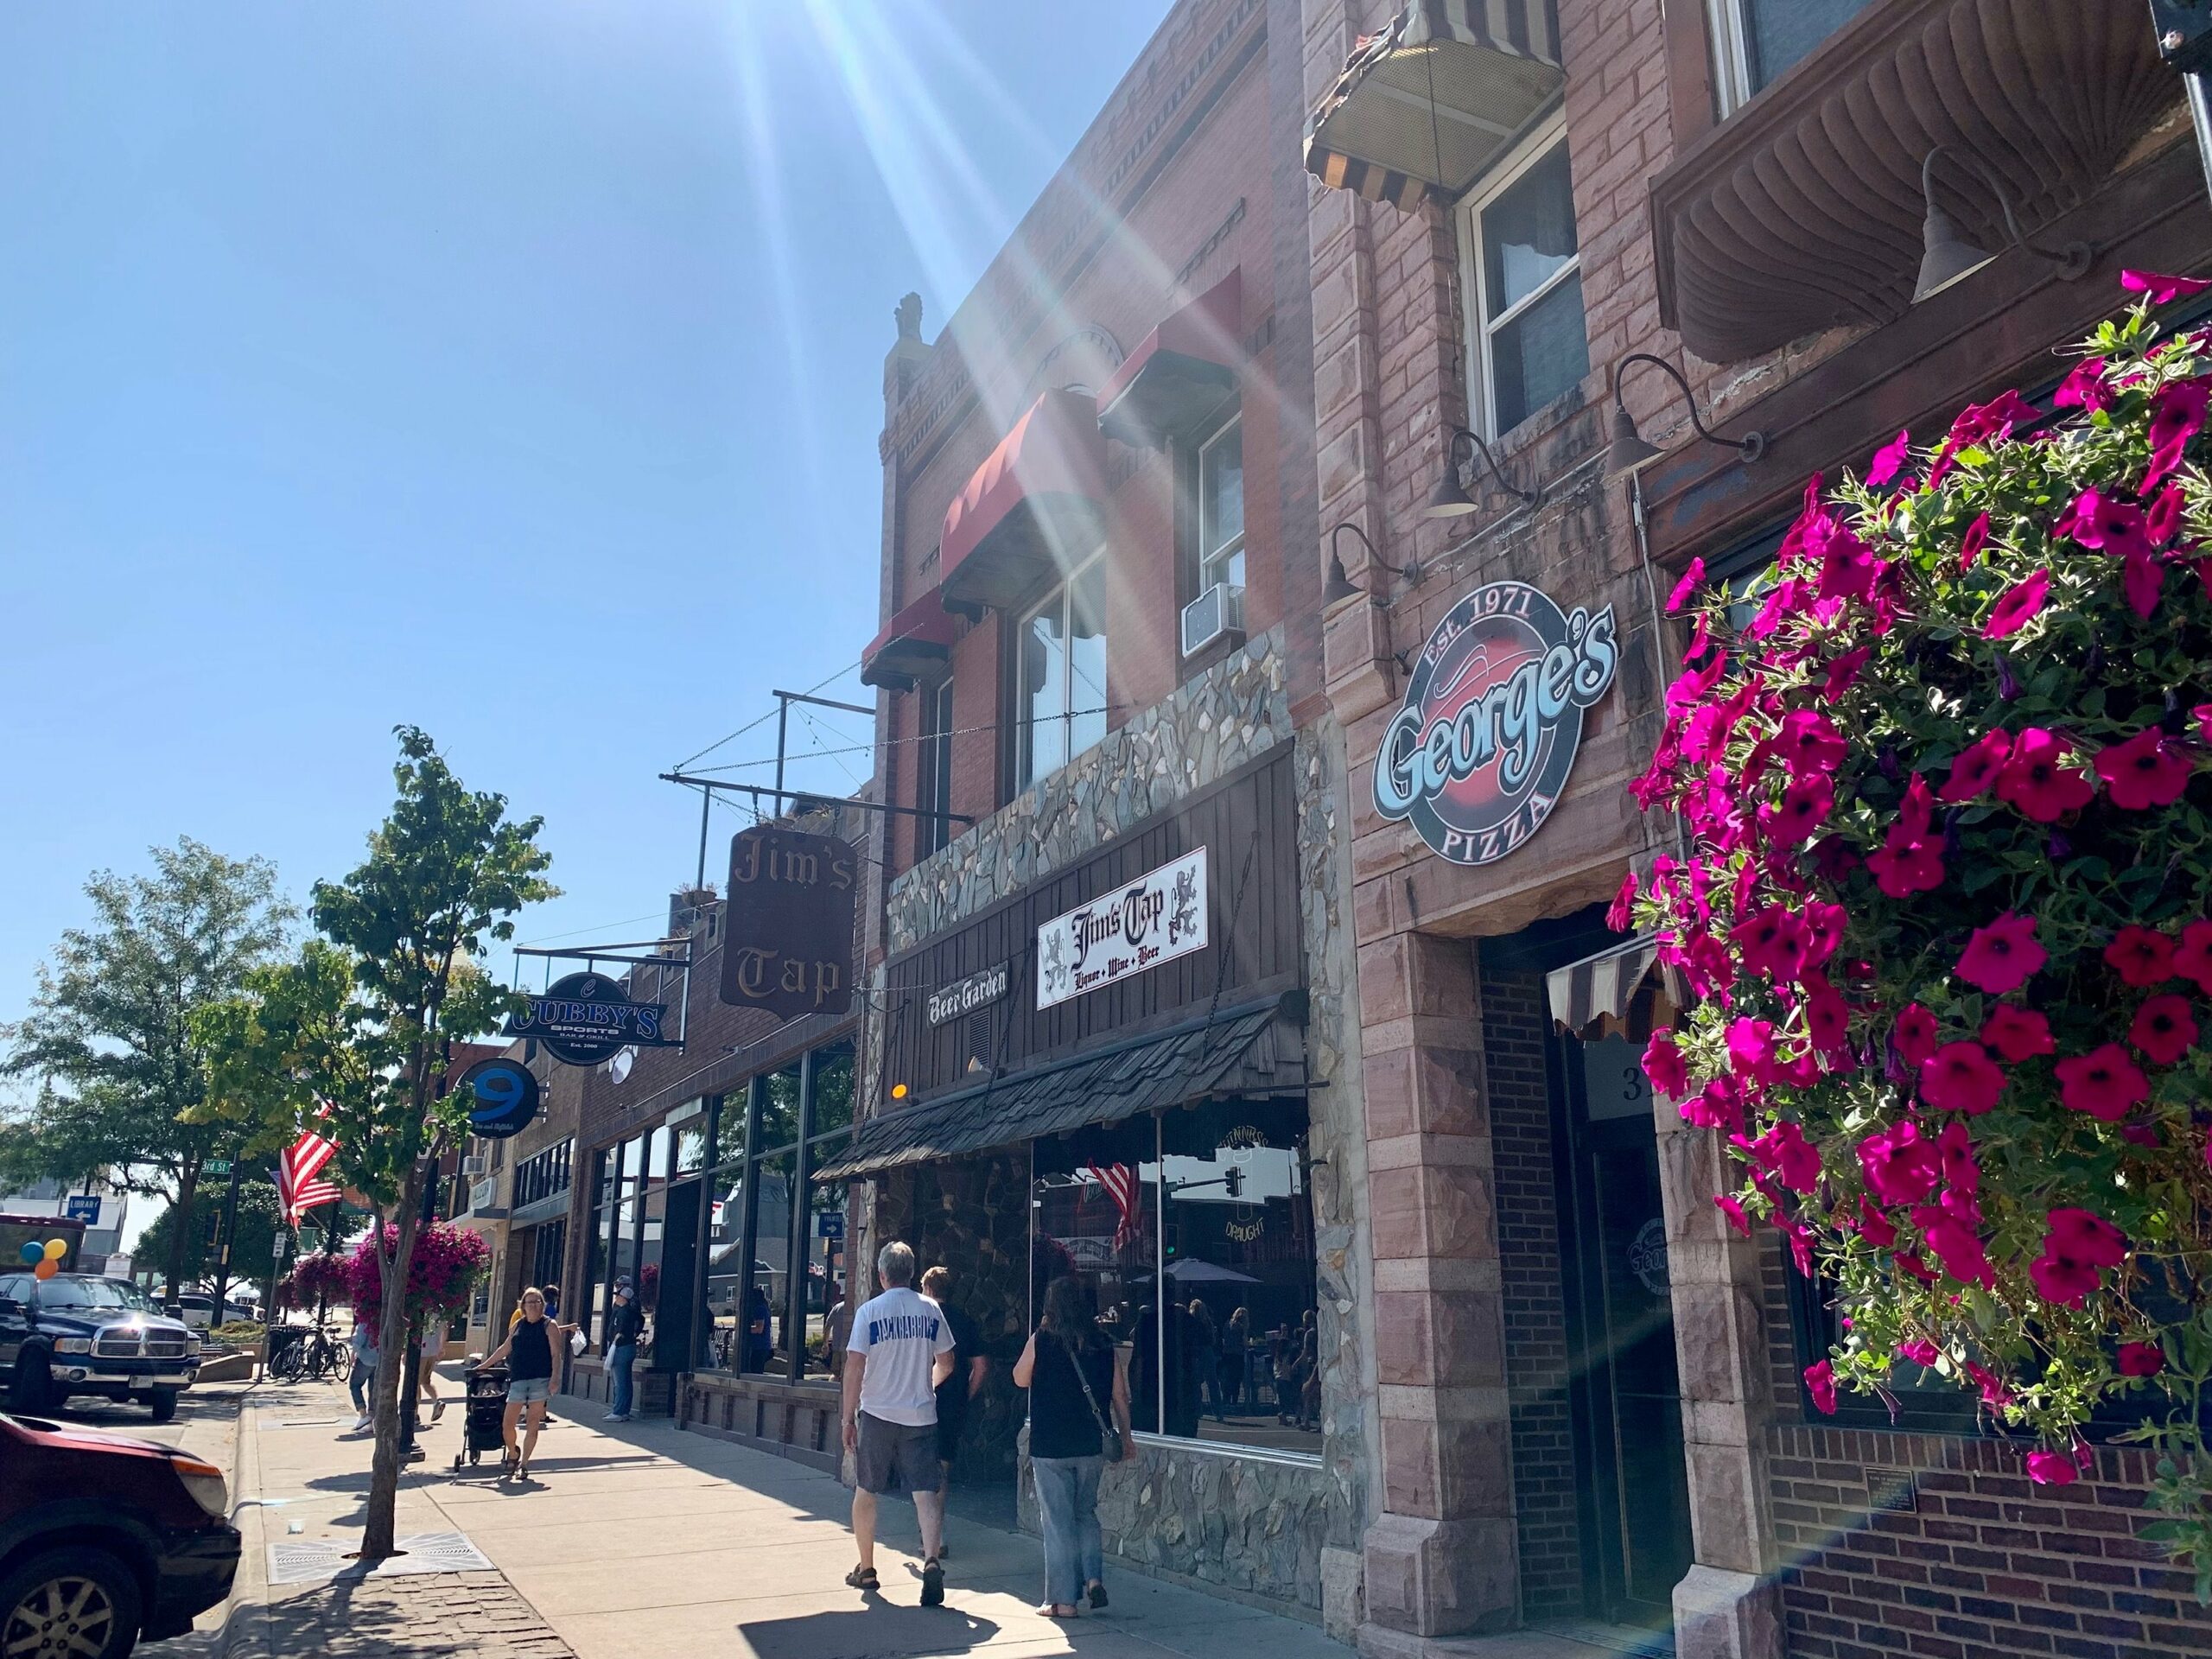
x,y
1078,1394
529,1353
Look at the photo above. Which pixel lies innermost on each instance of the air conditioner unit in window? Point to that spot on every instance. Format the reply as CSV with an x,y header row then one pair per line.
x,y
1217,610
476,1164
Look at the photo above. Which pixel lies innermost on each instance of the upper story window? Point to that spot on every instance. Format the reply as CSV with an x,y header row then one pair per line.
x,y
1524,270
1062,691
1754,41
936,768
1220,506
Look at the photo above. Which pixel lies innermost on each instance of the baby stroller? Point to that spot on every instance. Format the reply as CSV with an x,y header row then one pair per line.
x,y
486,1413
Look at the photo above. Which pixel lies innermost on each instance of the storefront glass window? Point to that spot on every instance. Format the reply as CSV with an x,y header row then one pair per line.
x,y
779,1104
1194,1234
768,1310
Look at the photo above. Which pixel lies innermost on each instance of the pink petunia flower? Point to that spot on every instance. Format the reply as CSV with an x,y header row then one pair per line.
x,y
2076,1244
2141,1359
1955,1148
1976,769
2104,1082
1734,1209
2176,415
2017,1034
2036,783
2048,1468
1961,1077
2018,605
1916,1034
2149,770
2115,527
1820,1382
2165,1029
1899,1165
2161,290
2141,957
1664,1065
1888,460
1906,865
2003,956
2193,955
1975,539
1692,576
1996,1393
1957,1247
2084,388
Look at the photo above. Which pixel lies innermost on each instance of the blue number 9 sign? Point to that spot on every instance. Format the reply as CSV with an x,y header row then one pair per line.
x,y
506,1097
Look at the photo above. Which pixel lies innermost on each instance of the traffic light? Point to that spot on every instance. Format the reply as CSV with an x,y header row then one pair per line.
x,y
1232,1180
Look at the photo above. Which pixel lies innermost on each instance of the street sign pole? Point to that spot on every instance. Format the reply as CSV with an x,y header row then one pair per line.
x,y
230,1237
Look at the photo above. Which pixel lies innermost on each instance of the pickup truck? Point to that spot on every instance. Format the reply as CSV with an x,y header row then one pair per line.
x,y
77,1333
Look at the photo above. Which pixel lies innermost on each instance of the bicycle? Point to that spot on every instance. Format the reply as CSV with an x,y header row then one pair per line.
x,y
312,1358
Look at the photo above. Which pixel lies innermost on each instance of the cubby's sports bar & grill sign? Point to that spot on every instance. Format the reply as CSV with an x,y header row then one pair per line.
x,y
1480,751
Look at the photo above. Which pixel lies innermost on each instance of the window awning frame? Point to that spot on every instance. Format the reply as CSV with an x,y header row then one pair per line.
x,y
915,642
1182,374
1037,504
1426,105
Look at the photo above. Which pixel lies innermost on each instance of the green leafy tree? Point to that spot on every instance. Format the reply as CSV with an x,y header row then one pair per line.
x,y
361,1026
257,1225
109,1040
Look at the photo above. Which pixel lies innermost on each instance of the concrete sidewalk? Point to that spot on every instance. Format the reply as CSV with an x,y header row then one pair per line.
x,y
640,1539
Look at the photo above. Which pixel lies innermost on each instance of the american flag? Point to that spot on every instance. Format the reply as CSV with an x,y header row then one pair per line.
x,y
300,1187
1120,1184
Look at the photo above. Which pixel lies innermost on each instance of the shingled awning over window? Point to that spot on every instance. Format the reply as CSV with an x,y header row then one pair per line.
x,y
1258,1049
1428,105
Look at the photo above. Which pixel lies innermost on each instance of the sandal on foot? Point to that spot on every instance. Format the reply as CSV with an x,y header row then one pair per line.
x,y
932,1583
863,1579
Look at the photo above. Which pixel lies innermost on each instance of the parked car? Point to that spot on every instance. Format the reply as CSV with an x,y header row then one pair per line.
x,y
76,1333
195,1308
123,1539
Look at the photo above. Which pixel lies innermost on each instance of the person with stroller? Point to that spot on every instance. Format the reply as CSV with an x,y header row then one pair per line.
x,y
529,1353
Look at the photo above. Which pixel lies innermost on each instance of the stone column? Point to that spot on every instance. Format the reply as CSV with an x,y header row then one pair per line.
x,y
1728,1605
1441,1558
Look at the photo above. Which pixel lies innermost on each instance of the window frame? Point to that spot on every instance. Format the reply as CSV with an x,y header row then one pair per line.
x,y
1549,133
1728,40
933,781
1061,594
1231,547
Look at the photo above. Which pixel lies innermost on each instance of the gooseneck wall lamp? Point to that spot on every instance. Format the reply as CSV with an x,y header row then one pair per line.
x,y
1629,450
1450,498
1341,586
1950,257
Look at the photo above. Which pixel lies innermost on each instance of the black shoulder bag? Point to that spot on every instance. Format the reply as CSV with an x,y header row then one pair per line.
x,y
1111,1447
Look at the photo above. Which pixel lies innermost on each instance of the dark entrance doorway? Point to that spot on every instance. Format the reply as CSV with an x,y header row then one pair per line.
x,y
1626,1394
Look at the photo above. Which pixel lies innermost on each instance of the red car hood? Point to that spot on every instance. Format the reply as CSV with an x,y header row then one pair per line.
x,y
42,1433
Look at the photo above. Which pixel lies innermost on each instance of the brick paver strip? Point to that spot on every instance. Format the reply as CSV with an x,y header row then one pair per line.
x,y
466,1613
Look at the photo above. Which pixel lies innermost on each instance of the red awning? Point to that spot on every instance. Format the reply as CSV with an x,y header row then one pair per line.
x,y
912,643
1182,374
1036,504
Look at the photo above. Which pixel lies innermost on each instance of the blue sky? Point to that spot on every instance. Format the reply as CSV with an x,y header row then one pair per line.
x,y
509,368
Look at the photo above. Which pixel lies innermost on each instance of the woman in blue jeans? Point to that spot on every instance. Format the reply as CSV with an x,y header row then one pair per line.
x,y
1078,1394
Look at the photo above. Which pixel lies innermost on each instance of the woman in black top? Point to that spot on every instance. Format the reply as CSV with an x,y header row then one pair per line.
x,y
529,1353
1075,1380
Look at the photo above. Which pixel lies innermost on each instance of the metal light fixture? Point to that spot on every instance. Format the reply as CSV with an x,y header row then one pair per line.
x,y
1341,586
1948,256
1450,498
1629,450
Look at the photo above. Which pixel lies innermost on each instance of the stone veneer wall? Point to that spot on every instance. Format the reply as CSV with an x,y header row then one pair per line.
x,y
1233,712
1279,1531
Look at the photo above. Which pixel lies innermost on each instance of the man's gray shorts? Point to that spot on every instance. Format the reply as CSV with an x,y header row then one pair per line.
x,y
897,1457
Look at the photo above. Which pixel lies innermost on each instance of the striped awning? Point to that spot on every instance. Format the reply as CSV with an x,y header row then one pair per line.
x,y
1615,991
1428,105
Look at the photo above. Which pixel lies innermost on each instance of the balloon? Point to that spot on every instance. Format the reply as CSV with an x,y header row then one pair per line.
x,y
56,1248
33,1254
46,1269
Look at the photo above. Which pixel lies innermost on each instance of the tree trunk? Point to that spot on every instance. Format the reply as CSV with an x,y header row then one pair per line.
x,y
392,1366
187,1183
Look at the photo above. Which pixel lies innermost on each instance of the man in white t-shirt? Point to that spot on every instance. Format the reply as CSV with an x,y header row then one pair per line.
x,y
900,1351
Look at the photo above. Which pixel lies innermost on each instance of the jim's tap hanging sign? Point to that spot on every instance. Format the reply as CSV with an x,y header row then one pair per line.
x,y
1480,751
787,942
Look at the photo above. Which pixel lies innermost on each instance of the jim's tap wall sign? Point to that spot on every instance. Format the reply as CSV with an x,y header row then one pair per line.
x,y
1480,753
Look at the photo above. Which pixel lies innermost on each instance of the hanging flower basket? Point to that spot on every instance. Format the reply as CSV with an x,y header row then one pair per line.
x,y
317,1278
1943,895
442,1275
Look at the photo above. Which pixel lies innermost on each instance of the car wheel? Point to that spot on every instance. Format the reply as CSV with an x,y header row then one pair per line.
x,y
69,1604
164,1404
32,1389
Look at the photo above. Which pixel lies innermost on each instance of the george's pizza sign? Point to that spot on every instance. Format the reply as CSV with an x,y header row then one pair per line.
x,y
1480,753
